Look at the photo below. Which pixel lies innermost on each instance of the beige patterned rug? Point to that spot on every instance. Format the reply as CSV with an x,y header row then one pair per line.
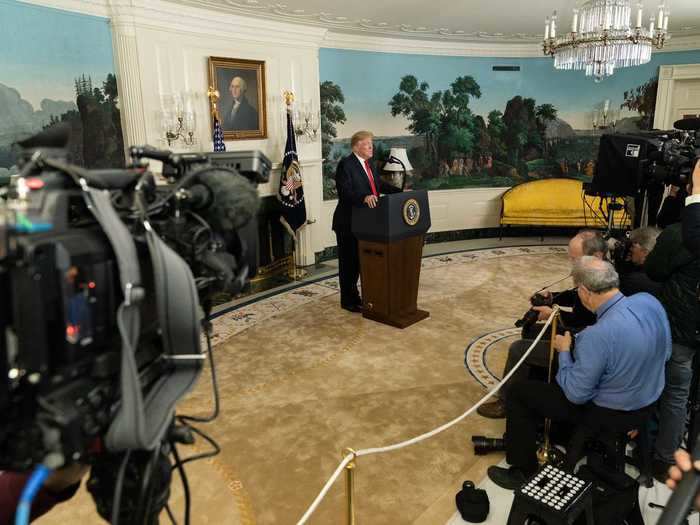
x,y
302,379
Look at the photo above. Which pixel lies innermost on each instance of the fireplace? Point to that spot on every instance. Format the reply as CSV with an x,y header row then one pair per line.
x,y
275,248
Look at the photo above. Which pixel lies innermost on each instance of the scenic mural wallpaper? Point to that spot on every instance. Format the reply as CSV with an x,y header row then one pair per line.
x,y
58,67
480,122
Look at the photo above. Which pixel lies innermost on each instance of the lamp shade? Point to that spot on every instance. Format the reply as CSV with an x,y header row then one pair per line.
x,y
396,155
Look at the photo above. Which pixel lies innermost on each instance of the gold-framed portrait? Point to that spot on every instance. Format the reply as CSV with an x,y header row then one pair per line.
x,y
241,105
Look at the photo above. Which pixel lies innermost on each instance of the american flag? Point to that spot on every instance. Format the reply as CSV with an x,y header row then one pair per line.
x,y
218,136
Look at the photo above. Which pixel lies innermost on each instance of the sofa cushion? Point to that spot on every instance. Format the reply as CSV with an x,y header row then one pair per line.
x,y
555,202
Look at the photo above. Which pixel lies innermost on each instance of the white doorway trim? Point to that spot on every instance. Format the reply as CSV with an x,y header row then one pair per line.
x,y
663,114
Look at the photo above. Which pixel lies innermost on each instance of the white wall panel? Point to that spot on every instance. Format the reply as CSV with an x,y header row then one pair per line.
x,y
449,210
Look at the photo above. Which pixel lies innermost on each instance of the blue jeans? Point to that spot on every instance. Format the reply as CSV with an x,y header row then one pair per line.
x,y
673,403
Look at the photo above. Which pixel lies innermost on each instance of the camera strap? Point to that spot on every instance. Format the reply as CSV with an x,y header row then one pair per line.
x,y
128,430
141,422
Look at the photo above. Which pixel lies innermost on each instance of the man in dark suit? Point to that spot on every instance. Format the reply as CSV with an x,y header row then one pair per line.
x,y
691,214
358,183
240,116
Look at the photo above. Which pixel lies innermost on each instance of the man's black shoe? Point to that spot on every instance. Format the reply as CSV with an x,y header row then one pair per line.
x,y
507,478
355,308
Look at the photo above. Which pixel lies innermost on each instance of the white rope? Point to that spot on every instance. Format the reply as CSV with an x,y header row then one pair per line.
x,y
325,489
427,435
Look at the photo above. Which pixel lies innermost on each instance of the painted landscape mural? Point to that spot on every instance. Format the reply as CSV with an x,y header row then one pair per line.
x,y
58,67
480,122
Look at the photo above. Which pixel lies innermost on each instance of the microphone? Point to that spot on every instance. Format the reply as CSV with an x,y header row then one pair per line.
x,y
56,136
163,155
228,200
199,196
687,124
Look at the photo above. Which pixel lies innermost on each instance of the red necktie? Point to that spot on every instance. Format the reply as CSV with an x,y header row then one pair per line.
x,y
371,178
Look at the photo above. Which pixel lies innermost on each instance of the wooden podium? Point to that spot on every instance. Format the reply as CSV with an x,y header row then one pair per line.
x,y
390,240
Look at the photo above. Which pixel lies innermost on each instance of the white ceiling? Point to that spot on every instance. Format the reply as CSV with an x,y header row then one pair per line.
x,y
451,20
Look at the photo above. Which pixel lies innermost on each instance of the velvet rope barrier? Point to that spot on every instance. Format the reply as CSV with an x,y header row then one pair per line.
x,y
389,448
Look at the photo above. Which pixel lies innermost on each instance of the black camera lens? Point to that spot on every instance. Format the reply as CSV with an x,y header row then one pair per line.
x,y
529,319
539,300
483,445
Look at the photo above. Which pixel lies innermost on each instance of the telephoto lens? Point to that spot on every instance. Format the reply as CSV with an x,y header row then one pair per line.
x,y
483,445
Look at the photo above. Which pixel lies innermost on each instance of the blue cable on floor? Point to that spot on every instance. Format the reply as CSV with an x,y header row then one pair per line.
x,y
34,483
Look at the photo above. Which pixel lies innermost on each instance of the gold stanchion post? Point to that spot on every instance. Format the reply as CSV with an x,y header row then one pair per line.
x,y
547,453
350,486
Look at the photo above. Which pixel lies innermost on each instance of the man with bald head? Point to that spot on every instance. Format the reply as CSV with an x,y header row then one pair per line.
x,y
617,376
240,116
586,242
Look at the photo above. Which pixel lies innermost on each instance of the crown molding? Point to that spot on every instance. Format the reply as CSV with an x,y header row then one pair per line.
x,y
327,20
430,47
258,21
183,18
355,42
681,43
272,10
86,7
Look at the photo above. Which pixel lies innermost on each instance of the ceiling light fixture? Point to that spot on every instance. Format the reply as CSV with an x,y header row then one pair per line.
x,y
602,37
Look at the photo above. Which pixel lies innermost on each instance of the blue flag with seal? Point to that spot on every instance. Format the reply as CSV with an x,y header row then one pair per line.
x,y
291,190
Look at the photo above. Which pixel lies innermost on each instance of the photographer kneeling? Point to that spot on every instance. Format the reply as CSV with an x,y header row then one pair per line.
x,y
616,377
586,242
630,262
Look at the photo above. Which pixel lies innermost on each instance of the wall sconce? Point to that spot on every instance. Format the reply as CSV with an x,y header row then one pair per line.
x,y
307,122
604,117
178,122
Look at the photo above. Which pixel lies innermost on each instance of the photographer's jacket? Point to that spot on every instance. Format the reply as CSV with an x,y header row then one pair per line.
x,y
679,272
580,317
691,224
620,360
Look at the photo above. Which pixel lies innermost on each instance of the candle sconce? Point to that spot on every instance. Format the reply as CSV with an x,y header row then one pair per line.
x,y
178,122
307,122
604,117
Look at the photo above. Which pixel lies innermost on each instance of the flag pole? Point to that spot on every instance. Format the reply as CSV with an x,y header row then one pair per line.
x,y
295,273
213,95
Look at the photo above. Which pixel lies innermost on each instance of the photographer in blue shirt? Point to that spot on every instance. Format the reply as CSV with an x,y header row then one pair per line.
x,y
615,378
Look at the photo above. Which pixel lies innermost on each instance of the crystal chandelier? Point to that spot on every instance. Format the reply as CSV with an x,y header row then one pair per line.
x,y
602,38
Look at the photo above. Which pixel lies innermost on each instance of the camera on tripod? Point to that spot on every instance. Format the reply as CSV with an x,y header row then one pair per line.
x,y
107,279
677,154
630,163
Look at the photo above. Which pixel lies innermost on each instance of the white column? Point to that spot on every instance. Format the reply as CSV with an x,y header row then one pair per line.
x,y
309,235
128,78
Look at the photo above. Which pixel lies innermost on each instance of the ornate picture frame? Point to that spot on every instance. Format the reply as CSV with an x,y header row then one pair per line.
x,y
241,107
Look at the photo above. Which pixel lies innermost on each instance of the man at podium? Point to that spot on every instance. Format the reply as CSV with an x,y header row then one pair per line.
x,y
359,185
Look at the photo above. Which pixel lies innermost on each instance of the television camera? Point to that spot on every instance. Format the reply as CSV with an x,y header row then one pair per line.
x,y
107,281
629,163
639,165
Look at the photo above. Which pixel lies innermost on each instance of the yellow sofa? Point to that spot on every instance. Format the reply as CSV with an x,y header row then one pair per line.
x,y
556,202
